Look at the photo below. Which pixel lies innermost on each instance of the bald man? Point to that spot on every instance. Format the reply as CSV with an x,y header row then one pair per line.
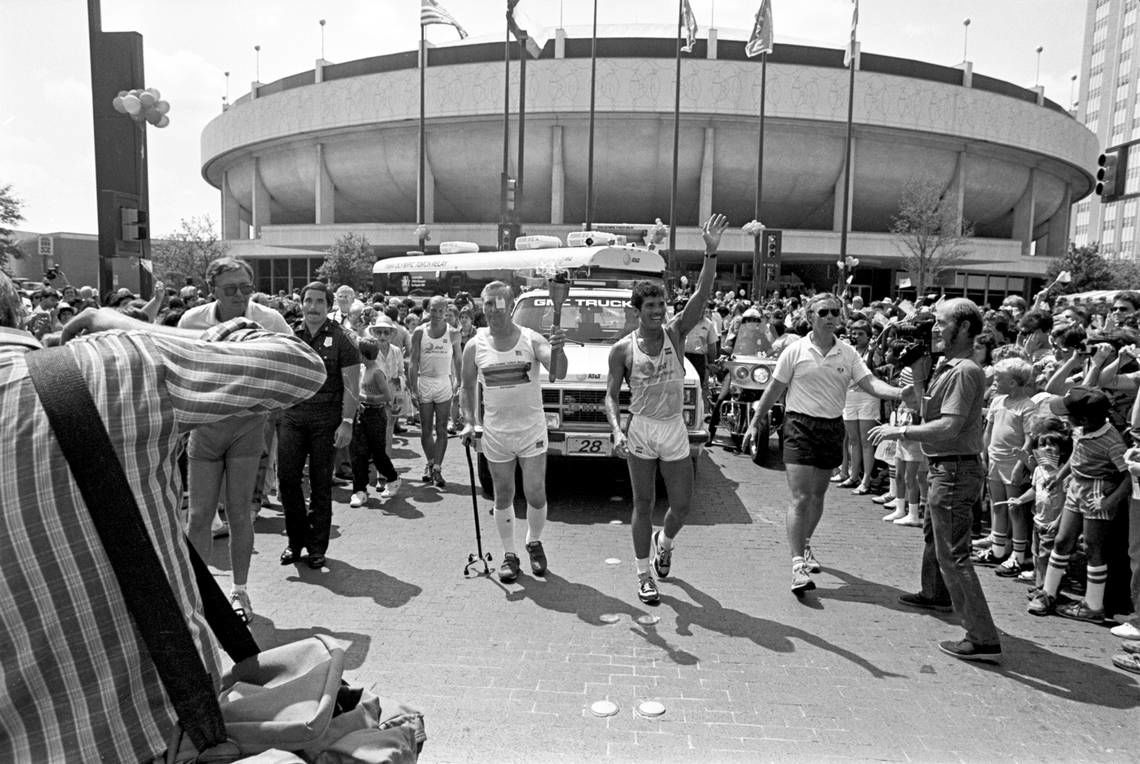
x,y
433,371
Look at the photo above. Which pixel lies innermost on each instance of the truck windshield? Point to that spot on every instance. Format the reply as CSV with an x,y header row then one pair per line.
x,y
585,319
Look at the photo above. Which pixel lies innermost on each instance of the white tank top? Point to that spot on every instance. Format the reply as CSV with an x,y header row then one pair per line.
x,y
656,383
512,392
435,354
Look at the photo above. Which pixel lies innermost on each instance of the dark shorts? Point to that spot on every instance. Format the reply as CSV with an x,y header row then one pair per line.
x,y
813,441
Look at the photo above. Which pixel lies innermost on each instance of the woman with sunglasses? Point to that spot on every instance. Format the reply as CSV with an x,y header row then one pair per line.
x,y
815,372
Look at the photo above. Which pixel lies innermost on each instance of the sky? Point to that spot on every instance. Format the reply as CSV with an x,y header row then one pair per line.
x,y
46,144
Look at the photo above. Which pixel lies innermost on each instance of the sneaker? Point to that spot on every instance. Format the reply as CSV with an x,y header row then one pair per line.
x,y
988,558
968,651
451,428
883,498
239,601
437,478
1131,647
1126,630
1042,604
509,570
1127,661
801,581
813,565
391,489
647,589
662,557
219,528
537,558
427,473
983,542
1080,611
358,499
917,600
1028,576
1011,568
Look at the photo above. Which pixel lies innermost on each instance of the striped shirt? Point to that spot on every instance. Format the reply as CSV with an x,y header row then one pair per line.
x,y
77,682
1098,455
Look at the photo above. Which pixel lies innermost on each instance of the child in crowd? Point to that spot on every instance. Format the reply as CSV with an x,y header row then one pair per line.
x,y
369,431
1096,488
1006,438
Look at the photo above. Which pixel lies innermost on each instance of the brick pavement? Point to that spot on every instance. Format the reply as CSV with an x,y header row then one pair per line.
x,y
745,670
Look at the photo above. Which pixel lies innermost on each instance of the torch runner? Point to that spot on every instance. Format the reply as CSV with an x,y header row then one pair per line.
x,y
559,286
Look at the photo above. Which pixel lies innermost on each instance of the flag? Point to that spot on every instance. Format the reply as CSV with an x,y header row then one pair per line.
x,y
761,39
431,12
523,26
1064,277
690,22
849,54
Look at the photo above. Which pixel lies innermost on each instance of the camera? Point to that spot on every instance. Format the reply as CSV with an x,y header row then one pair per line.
x,y
908,341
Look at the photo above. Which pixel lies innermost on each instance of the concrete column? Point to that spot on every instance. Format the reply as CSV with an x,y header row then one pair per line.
x,y
319,70
967,68
253,86
1040,91
231,211
707,162
244,232
557,177
260,201
560,43
1023,212
837,208
955,191
1058,232
712,38
324,207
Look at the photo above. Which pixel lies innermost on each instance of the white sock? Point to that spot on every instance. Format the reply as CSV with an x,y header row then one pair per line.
x,y
912,509
535,522
505,522
642,566
237,589
1094,586
1056,570
664,540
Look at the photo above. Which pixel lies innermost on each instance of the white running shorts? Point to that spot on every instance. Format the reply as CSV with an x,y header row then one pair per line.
x,y
521,444
435,389
664,439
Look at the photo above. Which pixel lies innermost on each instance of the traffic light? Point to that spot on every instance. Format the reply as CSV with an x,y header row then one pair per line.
x,y
509,187
1109,175
508,232
133,224
773,245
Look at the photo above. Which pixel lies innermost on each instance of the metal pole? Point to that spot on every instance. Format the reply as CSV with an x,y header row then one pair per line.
x,y
523,56
506,130
672,263
965,37
422,157
322,22
847,157
759,271
590,141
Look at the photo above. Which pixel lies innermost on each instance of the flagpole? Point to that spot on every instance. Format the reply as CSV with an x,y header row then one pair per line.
x,y
506,134
590,140
672,263
847,155
523,56
422,159
759,271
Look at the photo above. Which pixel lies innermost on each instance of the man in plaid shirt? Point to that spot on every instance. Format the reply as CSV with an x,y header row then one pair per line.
x,y
77,682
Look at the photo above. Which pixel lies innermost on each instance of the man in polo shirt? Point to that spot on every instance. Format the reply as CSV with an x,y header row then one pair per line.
x,y
951,438
815,371
314,429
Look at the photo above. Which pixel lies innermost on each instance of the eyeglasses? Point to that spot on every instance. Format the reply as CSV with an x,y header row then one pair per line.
x,y
822,312
231,289
1120,308
381,331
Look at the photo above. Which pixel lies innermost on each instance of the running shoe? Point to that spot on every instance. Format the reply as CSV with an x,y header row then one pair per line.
x,y
239,601
391,489
813,565
647,589
801,581
918,600
509,570
1011,568
968,651
662,557
427,473
883,498
988,558
437,477
1042,604
358,499
1126,630
537,558
1080,611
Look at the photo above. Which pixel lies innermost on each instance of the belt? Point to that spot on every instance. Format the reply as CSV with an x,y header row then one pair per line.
x,y
952,458
364,405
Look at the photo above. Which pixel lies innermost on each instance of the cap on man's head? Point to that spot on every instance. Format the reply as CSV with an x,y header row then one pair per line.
x,y
382,322
1081,401
188,292
87,292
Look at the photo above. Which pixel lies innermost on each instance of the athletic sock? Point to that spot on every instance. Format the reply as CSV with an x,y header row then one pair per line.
x,y
1056,570
1094,586
240,589
1001,540
797,560
1020,550
665,542
642,566
535,522
505,522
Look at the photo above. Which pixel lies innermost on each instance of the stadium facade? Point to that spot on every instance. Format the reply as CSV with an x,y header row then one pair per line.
x,y
303,160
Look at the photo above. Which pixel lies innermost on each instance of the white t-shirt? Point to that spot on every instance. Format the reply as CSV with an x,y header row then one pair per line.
x,y
205,316
817,383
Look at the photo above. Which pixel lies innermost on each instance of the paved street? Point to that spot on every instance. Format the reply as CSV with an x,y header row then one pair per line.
x,y
745,671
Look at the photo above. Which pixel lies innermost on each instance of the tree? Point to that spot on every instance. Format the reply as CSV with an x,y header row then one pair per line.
x,y
185,254
1090,270
349,261
928,232
10,215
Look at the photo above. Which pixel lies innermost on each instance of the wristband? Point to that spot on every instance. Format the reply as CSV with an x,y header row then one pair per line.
x,y
347,420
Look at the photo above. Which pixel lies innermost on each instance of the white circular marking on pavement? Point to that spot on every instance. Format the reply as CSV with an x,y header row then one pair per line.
x,y
648,620
615,498
604,708
609,618
615,522
651,708
613,561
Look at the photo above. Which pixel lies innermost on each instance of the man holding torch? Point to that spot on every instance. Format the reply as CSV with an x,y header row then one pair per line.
x,y
651,360
504,358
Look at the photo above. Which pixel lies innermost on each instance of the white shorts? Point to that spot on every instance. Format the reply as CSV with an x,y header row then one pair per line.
x,y
664,439
500,447
910,451
861,406
435,389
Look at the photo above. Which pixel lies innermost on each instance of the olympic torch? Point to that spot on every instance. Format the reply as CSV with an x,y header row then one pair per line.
x,y
559,286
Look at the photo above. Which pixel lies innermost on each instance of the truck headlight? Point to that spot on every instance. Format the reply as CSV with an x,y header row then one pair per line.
x,y
760,375
688,417
553,420
690,396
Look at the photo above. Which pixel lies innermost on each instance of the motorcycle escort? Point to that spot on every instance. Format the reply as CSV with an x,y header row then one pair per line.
x,y
745,374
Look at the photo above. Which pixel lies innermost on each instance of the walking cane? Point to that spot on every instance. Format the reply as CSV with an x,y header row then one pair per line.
x,y
474,559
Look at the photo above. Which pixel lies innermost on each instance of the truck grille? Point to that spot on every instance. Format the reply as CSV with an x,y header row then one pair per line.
x,y
581,405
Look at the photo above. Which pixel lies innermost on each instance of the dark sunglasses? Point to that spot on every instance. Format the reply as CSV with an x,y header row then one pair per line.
x,y
232,289
1119,308
827,312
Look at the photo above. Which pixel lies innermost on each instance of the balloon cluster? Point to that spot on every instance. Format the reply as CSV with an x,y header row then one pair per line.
x,y
143,105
